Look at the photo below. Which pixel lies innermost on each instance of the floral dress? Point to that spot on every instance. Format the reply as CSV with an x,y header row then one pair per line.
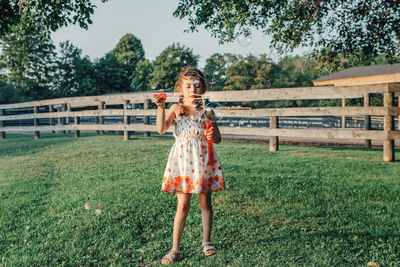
x,y
188,169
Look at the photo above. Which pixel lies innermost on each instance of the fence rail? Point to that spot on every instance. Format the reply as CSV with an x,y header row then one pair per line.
x,y
61,116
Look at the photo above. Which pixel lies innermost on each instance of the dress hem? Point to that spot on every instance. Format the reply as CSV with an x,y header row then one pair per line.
x,y
193,192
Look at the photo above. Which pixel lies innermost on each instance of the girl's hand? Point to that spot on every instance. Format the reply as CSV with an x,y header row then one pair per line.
x,y
160,100
209,133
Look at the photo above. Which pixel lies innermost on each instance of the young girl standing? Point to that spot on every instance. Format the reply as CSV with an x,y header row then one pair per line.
x,y
188,170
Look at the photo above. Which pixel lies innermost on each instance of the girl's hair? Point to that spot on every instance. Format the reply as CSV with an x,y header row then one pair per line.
x,y
191,73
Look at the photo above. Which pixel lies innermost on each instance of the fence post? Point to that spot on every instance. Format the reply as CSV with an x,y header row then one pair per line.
x,y
77,121
100,119
367,120
36,122
51,110
58,119
126,120
273,140
343,117
68,118
134,105
2,124
388,144
63,119
146,118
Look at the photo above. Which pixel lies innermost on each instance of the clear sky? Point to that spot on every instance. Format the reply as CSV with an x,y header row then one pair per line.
x,y
153,23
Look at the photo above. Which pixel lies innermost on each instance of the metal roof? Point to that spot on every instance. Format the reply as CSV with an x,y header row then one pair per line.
x,y
362,71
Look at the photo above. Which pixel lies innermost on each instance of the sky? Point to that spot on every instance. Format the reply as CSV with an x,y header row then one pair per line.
x,y
153,23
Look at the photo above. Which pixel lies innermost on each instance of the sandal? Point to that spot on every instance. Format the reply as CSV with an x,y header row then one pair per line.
x,y
172,256
208,248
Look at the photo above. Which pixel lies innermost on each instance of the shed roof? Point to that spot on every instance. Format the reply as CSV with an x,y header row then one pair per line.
x,y
387,73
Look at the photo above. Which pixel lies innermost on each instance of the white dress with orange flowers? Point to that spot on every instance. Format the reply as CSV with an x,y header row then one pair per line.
x,y
188,169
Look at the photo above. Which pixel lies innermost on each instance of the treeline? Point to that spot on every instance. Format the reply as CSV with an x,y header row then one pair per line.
x,y
32,69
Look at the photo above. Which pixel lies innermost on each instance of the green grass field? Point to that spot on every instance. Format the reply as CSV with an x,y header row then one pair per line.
x,y
301,206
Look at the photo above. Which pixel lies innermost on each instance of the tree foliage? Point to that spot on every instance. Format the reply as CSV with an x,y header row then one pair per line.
x,y
110,76
19,16
30,62
140,78
330,27
170,62
67,83
129,52
10,93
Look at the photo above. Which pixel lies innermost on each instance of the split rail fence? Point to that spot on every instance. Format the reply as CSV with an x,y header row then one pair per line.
x,y
140,102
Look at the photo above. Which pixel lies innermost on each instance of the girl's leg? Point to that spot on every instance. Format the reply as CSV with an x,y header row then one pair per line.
x,y
182,211
206,215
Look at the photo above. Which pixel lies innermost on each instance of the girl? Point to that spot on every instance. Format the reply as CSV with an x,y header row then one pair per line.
x,y
188,170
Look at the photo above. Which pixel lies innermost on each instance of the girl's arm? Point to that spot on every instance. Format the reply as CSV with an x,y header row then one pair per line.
x,y
164,122
216,134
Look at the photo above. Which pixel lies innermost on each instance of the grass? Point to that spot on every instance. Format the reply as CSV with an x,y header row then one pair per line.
x,y
301,206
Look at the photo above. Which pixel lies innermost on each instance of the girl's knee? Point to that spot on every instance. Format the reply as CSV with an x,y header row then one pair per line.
x,y
184,202
205,204
183,207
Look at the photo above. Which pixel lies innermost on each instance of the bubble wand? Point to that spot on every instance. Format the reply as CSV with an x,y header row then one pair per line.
x,y
163,96
210,145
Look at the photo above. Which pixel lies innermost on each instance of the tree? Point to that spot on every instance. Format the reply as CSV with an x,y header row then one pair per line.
x,y
241,76
129,51
66,84
110,76
19,16
30,62
10,93
169,64
140,78
85,76
262,79
214,64
330,27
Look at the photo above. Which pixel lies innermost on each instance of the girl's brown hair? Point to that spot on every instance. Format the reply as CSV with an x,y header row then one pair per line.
x,y
192,73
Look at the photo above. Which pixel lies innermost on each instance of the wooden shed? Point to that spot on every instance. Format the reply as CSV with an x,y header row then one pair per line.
x,y
387,73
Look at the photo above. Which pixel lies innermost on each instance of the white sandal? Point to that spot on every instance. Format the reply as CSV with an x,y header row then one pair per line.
x,y
172,257
207,246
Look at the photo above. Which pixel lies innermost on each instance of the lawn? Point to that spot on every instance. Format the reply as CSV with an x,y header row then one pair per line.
x,y
300,206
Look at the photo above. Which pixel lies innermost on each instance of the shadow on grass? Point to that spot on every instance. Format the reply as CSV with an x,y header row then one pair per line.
x,y
342,148
23,144
315,235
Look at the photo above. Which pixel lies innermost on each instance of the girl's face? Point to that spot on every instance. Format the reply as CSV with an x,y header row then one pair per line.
x,y
191,89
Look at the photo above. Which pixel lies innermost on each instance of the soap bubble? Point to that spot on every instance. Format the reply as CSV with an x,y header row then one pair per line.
x,y
90,204
245,38
219,75
217,107
157,86
97,212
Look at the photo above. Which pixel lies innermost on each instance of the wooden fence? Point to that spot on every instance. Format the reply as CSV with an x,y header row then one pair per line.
x,y
140,103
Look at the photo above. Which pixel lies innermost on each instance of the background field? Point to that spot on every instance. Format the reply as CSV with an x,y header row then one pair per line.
x,y
299,206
